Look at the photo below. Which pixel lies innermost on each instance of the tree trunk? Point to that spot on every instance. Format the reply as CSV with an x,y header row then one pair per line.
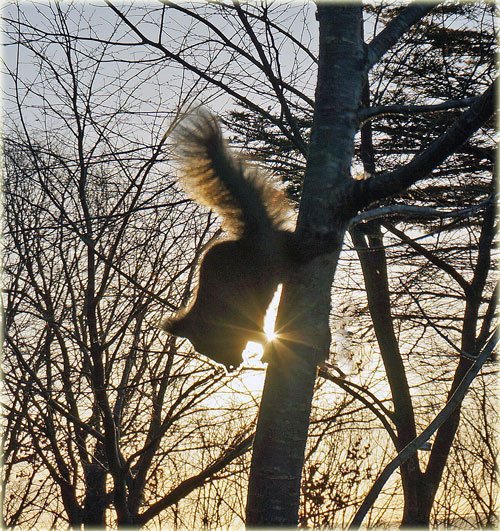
x,y
469,346
94,509
303,317
278,451
373,261
374,266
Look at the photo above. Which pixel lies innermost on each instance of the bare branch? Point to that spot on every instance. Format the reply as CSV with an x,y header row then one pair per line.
x,y
348,387
394,30
264,66
363,193
204,75
275,82
433,259
190,484
406,110
416,211
454,401
46,395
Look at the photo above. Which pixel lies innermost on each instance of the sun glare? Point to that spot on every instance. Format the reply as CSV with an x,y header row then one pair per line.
x,y
254,351
270,318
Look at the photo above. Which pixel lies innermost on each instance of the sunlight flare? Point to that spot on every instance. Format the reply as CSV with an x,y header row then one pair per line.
x,y
254,351
272,311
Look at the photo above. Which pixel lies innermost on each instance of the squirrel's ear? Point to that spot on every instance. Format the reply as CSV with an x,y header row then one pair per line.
x,y
180,323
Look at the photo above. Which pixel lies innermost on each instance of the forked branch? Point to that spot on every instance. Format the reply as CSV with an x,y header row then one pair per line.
x,y
365,192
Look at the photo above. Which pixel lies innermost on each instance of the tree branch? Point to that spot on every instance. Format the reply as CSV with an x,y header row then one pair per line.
x,y
46,395
438,421
202,74
363,193
395,29
187,486
348,388
433,259
275,82
416,211
370,113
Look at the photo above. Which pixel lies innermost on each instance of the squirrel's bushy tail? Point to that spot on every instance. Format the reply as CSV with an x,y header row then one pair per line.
x,y
248,201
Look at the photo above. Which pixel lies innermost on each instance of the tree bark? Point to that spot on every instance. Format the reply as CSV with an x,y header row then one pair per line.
x,y
374,265
303,317
94,508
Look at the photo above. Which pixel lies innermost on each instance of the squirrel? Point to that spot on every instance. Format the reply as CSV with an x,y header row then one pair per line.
x,y
238,276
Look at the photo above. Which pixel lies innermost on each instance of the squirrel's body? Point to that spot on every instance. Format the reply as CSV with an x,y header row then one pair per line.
x,y
237,277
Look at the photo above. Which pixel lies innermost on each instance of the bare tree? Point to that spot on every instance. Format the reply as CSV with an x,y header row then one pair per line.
x,y
98,244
